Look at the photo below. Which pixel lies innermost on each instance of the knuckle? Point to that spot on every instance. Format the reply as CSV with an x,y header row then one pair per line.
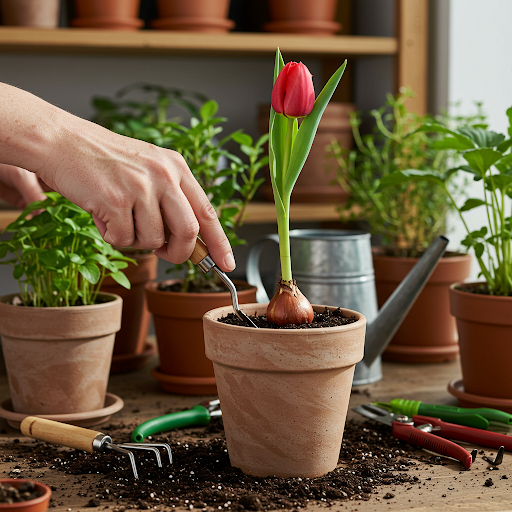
x,y
207,212
190,230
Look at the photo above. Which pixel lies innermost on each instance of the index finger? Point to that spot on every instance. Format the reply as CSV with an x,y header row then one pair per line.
x,y
209,225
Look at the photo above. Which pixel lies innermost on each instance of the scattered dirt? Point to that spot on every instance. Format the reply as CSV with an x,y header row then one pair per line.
x,y
320,320
372,462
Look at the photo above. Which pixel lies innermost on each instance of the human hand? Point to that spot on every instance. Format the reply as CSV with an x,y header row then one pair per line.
x,y
19,187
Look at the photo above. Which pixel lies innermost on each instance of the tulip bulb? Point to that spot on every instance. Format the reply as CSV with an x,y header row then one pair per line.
x,y
289,306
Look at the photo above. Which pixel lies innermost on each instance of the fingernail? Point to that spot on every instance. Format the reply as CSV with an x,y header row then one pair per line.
x,y
229,261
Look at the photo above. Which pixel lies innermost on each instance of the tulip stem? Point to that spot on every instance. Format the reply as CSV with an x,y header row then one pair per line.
x,y
288,146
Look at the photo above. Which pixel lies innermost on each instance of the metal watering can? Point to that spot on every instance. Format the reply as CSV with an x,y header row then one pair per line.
x,y
335,267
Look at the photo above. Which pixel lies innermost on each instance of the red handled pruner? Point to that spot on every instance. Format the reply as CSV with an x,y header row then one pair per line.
x,y
419,431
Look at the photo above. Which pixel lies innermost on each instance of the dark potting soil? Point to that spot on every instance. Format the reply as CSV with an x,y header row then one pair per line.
x,y
26,491
328,318
372,462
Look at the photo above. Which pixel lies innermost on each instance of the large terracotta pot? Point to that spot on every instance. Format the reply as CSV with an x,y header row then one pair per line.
x,y
484,323
193,15
284,393
314,182
303,17
177,317
131,349
31,13
428,333
107,14
58,359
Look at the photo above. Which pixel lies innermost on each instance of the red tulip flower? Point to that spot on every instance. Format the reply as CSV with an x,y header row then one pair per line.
x,y
293,94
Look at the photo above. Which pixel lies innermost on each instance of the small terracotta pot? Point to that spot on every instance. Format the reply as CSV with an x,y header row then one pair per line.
x,y
107,14
193,15
484,323
428,333
58,359
39,504
303,17
177,318
284,393
314,182
132,337
31,13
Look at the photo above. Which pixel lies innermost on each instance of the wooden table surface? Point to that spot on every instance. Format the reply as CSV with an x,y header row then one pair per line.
x,y
442,487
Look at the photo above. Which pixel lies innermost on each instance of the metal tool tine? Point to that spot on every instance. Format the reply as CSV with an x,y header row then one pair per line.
x,y
374,413
234,298
118,449
144,447
154,446
499,457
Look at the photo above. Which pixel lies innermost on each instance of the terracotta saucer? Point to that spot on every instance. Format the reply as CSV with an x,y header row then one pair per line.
x,y
185,385
113,404
456,388
419,354
108,22
313,27
130,362
194,24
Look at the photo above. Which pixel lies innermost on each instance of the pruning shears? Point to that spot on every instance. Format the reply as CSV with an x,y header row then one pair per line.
x,y
476,418
198,415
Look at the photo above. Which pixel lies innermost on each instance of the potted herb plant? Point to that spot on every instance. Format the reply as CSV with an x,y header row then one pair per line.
x,y
58,331
284,391
134,111
484,309
407,218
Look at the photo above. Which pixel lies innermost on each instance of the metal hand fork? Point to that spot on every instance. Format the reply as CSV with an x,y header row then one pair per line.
x,y
88,440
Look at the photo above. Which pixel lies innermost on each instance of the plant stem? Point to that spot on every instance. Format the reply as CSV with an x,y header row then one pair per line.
x,y
283,229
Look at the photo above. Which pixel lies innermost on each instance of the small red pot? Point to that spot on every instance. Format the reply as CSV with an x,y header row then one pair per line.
x,y
39,504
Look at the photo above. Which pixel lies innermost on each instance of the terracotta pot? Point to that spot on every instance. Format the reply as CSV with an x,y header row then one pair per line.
x,y
39,504
484,323
58,359
177,318
131,341
314,182
284,393
31,13
107,14
193,15
303,17
428,333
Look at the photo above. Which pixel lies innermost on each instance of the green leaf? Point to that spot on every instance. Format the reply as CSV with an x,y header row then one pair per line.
x,y
471,203
121,279
479,249
62,284
90,272
482,159
458,140
399,177
43,230
307,131
481,137
242,138
18,271
208,110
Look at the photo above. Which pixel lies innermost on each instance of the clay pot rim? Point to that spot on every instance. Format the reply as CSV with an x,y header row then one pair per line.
x,y
16,482
477,296
214,314
113,300
151,287
446,257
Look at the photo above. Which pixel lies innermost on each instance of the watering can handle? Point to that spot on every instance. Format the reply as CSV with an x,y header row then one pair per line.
x,y
253,267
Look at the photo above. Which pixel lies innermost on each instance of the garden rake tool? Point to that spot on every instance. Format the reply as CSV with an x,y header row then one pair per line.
x,y
201,257
85,439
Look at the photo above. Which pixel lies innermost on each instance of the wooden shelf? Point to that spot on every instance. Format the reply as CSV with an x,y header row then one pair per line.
x,y
256,213
72,40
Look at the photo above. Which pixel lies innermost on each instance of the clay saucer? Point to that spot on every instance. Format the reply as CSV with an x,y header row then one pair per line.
x,y
420,354
113,404
211,25
185,385
108,22
130,362
312,27
456,388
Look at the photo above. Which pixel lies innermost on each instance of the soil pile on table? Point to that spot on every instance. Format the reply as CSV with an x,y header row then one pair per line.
x,y
372,462
326,318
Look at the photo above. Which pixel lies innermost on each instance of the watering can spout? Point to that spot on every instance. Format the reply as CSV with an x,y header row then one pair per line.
x,y
382,329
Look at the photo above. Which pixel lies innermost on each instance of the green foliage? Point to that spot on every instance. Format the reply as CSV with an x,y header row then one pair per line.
x,y
488,160
59,257
228,178
410,214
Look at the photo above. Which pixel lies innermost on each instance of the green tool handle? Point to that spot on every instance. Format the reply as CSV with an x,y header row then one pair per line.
x,y
196,416
453,414
483,412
